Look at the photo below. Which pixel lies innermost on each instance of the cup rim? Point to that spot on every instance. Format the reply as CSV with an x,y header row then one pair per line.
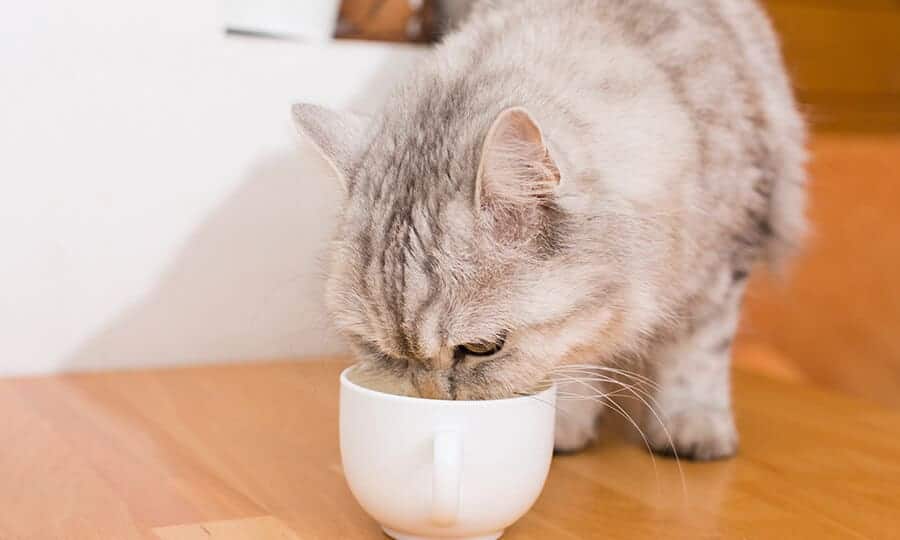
x,y
548,392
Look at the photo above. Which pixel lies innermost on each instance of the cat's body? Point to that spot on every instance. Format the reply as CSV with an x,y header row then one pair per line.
x,y
570,182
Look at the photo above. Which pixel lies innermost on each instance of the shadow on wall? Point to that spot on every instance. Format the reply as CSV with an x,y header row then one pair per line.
x,y
243,285
240,287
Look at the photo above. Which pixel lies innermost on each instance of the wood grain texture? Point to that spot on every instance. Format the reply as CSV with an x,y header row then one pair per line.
x,y
251,451
262,528
836,320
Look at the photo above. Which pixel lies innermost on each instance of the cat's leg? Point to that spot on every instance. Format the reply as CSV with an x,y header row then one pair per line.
x,y
577,412
693,373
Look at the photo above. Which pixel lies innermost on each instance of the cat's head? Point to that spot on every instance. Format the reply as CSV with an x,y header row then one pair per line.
x,y
460,268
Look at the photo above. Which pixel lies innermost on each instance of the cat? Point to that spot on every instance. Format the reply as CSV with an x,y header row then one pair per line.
x,y
569,183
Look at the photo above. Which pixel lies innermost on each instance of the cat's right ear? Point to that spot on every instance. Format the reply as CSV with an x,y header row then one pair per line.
x,y
517,169
340,137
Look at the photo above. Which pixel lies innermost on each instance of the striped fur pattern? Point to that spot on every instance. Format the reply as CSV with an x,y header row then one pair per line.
x,y
669,160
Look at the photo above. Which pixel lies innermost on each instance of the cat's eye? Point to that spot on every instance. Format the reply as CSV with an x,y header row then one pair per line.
x,y
481,348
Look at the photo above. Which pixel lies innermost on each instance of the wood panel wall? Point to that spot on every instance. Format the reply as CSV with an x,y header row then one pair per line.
x,y
844,58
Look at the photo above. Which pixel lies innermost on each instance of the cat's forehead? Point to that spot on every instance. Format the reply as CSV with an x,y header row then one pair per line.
x,y
416,148
428,128
402,181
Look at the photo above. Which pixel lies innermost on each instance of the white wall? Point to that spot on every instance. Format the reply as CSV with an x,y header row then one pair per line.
x,y
155,207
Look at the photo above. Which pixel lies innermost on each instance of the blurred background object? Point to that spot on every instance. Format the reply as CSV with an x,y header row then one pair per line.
x,y
309,19
316,20
388,20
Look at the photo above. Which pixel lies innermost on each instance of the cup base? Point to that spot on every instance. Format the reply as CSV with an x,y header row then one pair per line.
x,y
397,535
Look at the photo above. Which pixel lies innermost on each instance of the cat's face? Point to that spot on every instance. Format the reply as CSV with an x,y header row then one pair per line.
x,y
456,272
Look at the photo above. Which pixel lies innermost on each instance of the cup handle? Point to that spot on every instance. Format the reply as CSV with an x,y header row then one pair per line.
x,y
445,478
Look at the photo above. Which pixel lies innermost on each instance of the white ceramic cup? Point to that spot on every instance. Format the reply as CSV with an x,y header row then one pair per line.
x,y
426,468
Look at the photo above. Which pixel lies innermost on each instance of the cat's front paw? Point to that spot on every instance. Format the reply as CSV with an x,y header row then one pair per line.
x,y
570,439
576,427
697,434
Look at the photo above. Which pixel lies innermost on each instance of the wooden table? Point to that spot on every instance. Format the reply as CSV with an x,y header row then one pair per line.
x,y
250,452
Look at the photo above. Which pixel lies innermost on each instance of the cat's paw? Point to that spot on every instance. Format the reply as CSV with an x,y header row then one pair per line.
x,y
574,432
697,434
571,441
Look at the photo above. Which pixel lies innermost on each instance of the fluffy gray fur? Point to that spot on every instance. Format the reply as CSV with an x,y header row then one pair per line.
x,y
591,180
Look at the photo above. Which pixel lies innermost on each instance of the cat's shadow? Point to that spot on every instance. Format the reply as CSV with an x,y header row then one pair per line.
x,y
247,283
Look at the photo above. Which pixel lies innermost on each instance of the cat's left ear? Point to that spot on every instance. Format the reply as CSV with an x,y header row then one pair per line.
x,y
340,137
516,167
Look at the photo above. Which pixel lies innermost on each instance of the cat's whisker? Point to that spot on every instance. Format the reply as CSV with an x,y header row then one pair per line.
x,y
653,410
593,377
629,376
549,404
574,396
591,368
596,377
621,410
570,379
544,401
599,378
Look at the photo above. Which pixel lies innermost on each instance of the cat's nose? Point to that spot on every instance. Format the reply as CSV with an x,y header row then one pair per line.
x,y
444,359
432,384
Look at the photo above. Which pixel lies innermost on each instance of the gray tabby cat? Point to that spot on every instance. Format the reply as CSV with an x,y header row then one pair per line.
x,y
569,182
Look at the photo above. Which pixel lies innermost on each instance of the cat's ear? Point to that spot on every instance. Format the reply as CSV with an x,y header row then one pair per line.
x,y
340,137
516,166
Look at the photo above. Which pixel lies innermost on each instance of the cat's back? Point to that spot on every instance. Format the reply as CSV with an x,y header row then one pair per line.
x,y
713,42
719,58
705,73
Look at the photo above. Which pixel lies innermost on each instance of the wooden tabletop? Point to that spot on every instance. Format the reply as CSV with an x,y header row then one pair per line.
x,y
250,452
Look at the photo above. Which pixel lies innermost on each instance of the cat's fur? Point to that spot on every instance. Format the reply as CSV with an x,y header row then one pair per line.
x,y
593,180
